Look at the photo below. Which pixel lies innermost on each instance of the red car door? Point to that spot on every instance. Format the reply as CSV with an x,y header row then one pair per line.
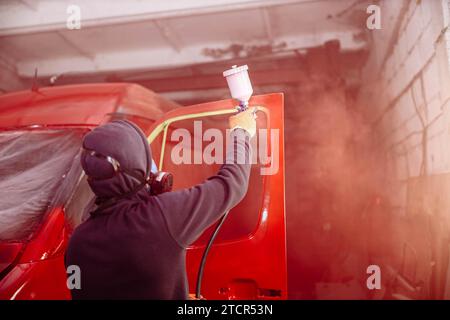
x,y
248,257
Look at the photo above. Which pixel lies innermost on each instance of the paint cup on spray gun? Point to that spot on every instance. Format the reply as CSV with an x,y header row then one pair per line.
x,y
239,85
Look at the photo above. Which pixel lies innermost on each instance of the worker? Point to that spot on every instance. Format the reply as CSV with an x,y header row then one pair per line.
x,y
133,245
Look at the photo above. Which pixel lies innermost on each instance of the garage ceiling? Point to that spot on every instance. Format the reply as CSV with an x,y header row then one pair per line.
x,y
168,37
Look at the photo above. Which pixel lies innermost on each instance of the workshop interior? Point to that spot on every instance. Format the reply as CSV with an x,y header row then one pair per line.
x,y
349,192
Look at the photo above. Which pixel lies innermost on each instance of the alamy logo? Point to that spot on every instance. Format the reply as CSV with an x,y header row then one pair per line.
x,y
74,18
374,280
74,277
374,20
190,150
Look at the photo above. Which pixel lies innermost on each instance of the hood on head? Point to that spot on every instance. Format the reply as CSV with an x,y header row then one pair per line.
x,y
123,141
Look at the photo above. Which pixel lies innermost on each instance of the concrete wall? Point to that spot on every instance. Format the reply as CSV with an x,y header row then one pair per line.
x,y
406,90
9,80
329,182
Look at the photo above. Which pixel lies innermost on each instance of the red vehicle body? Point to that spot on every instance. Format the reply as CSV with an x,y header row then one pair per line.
x,y
247,261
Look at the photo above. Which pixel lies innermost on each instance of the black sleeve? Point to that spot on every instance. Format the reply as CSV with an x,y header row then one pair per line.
x,y
189,212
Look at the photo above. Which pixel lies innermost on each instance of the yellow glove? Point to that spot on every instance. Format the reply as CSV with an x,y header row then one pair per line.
x,y
244,120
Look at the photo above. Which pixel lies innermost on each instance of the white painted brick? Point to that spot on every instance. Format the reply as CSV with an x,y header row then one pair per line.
x,y
399,55
398,83
401,121
437,158
431,81
405,21
446,115
409,127
381,100
439,144
433,109
405,108
401,167
389,69
386,124
437,128
408,74
388,93
382,96
447,48
437,20
417,93
390,10
445,152
438,147
413,30
395,137
414,125
418,19
443,62
403,25
378,56
415,161
432,156
391,118
413,64
426,45
446,139
411,9
425,12
402,48
413,141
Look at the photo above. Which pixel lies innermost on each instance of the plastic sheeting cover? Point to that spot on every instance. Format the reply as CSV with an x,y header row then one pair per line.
x,y
36,173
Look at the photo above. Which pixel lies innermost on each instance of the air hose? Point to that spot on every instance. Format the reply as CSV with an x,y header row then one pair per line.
x,y
241,89
205,255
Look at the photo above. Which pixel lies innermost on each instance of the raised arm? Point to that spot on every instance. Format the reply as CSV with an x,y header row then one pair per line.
x,y
189,212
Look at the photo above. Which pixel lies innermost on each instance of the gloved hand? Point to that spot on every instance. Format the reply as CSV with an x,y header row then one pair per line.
x,y
244,120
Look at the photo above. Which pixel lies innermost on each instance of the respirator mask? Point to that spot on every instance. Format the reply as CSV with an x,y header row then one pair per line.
x,y
157,181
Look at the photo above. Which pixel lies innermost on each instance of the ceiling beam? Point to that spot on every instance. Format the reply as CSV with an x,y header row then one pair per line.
x,y
158,58
259,78
30,4
51,16
168,34
267,24
74,46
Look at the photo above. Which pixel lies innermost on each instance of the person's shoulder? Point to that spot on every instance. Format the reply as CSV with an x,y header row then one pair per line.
x,y
147,208
82,229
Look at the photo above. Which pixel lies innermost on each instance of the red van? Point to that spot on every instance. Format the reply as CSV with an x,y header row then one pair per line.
x,y
44,191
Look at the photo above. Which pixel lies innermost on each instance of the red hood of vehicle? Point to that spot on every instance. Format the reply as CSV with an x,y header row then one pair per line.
x,y
8,253
85,104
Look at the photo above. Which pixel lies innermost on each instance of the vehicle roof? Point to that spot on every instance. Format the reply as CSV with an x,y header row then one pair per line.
x,y
83,104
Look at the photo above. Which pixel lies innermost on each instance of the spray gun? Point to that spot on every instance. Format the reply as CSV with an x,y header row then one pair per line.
x,y
241,90
239,85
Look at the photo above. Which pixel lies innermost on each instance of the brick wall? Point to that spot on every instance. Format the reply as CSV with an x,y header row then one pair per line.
x,y
406,91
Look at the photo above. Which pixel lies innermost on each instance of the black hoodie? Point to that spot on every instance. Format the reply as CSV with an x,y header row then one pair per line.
x,y
136,249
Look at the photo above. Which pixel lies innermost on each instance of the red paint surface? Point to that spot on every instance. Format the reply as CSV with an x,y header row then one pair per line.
x,y
251,268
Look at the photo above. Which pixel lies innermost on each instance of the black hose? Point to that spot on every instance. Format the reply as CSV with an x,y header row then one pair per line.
x,y
211,240
205,255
